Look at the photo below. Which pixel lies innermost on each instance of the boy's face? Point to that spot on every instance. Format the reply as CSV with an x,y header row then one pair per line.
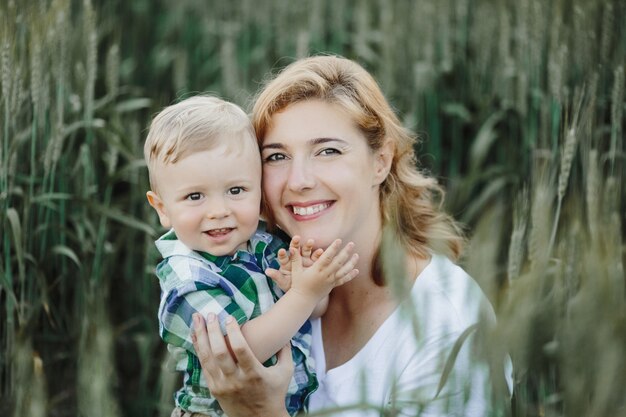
x,y
211,198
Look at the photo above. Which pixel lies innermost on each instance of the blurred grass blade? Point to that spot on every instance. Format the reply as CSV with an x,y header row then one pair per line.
x,y
479,203
485,139
123,218
133,105
83,124
30,380
96,357
447,369
16,228
51,197
66,251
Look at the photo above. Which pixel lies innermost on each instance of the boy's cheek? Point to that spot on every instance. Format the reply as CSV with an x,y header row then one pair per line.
x,y
166,215
165,221
161,211
163,218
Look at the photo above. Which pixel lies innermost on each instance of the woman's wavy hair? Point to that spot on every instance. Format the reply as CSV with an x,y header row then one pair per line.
x,y
410,200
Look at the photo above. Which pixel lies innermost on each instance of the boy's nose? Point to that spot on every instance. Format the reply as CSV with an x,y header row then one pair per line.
x,y
218,209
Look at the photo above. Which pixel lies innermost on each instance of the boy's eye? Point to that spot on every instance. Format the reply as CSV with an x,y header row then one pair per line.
x,y
329,151
275,157
235,190
194,196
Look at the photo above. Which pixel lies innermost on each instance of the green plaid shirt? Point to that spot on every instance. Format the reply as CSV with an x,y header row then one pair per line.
x,y
236,285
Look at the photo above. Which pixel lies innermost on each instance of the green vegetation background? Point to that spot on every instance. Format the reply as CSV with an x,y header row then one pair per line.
x,y
519,105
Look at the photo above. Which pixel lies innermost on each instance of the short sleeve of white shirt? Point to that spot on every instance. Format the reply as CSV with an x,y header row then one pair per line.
x,y
403,361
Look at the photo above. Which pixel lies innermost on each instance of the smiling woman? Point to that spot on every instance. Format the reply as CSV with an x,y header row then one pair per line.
x,y
338,163
319,175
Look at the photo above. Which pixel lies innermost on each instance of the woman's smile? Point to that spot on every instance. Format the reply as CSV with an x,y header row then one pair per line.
x,y
309,210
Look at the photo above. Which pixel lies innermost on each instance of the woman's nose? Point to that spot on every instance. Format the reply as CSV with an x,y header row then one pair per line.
x,y
301,176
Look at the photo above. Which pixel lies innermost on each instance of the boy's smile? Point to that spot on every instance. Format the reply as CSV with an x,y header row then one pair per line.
x,y
219,235
211,198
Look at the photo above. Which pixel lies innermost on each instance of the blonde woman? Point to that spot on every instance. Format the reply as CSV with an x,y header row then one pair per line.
x,y
338,164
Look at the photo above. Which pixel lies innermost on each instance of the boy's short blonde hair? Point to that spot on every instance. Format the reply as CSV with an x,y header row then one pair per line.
x,y
193,125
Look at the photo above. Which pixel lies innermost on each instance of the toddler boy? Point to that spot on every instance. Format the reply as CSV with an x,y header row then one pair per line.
x,y
205,178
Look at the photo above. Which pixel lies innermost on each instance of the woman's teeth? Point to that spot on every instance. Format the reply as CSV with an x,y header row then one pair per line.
x,y
307,211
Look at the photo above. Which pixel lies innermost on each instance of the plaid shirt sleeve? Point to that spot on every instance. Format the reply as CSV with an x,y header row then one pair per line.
x,y
189,285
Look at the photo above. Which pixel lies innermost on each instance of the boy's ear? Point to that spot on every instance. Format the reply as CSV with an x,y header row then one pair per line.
x,y
382,163
156,202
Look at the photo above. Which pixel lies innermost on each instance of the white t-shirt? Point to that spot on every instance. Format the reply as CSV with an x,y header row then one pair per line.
x,y
396,367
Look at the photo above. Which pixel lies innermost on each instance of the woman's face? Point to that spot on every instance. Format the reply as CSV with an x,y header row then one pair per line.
x,y
319,176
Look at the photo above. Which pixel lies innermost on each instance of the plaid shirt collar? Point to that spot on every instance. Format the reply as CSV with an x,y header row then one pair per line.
x,y
169,245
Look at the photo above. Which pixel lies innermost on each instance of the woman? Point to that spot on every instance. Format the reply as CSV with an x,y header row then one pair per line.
x,y
338,164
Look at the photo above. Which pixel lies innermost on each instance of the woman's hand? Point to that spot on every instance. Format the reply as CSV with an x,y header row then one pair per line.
x,y
241,384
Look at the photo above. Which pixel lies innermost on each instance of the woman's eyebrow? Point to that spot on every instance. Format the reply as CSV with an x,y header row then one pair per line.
x,y
312,142
319,141
273,146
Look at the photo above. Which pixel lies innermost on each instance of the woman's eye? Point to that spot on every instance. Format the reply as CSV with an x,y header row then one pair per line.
x,y
275,157
194,196
235,190
329,151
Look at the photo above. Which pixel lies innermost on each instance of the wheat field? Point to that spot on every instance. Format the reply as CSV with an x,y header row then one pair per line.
x,y
520,109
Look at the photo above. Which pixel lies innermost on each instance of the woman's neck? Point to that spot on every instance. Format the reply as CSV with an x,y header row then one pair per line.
x,y
353,297
362,291
355,311
366,242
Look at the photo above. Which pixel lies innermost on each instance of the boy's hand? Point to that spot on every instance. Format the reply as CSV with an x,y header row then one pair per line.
x,y
282,276
331,268
309,256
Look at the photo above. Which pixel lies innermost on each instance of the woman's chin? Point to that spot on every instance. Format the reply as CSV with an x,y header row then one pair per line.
x,y
318,242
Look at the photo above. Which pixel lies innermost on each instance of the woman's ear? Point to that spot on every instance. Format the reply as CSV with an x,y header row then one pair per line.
x,y
156,202
382,163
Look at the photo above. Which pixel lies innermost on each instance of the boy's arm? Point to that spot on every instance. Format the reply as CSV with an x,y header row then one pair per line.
x,y
320,308
270,331
267,333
